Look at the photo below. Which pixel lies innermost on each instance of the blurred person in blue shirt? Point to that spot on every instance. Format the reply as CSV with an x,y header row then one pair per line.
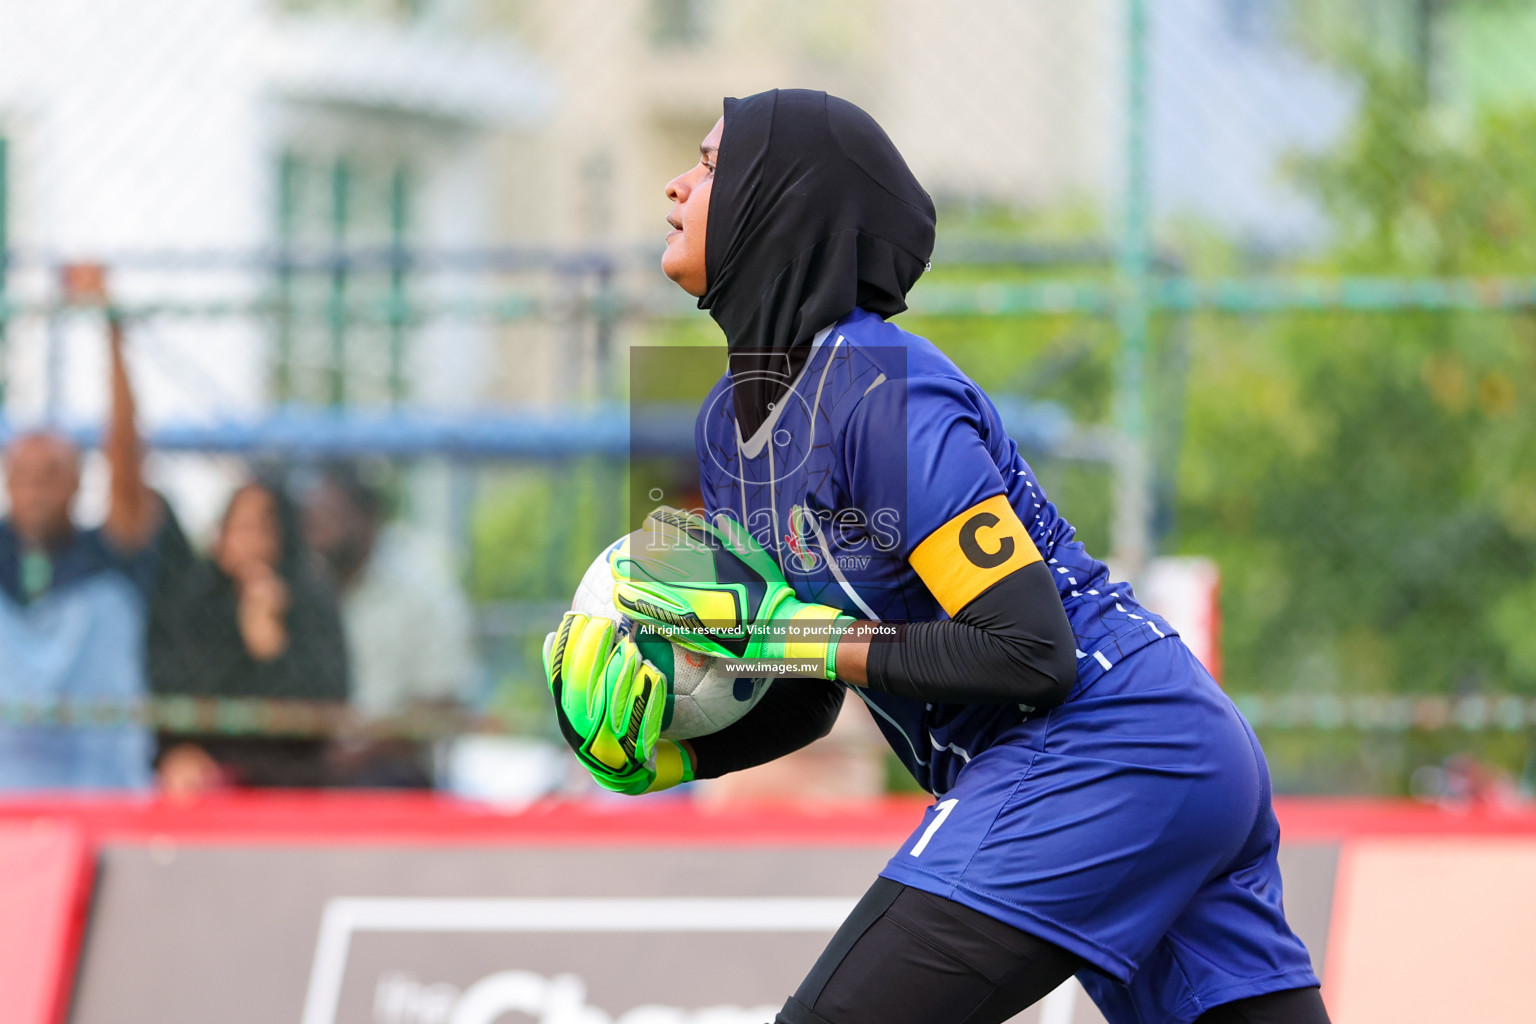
x,y
73,606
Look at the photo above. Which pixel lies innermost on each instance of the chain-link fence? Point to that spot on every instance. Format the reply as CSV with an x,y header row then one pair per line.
x,y
1254,280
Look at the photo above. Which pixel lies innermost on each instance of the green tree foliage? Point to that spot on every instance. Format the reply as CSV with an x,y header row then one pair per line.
x,y
1368,481
535,531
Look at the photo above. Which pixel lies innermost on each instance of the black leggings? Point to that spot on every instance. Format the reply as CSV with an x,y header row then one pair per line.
x,y
905,956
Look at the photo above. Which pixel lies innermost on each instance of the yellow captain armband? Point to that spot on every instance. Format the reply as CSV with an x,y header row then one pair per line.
x,y
972,551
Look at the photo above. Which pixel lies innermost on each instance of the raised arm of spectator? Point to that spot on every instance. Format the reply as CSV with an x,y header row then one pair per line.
x,y
134,510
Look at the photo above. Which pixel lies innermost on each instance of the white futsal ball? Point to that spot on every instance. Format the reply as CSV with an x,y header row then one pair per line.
x,y
700,698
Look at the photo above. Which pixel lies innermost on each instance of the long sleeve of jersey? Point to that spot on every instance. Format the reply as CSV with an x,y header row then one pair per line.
x,y
1011,644
1007,639
793,713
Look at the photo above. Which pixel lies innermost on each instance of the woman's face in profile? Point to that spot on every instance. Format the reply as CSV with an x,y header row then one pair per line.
x,y
683,261
250,535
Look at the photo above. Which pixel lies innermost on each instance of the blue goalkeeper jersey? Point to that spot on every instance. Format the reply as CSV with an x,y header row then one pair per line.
x,y
884,457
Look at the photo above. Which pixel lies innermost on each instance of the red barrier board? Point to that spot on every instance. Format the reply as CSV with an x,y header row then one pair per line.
x,y
335,817
421,818
45,875
323,899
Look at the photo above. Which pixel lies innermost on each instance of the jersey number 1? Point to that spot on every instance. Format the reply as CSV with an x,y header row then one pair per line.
x,y
940,812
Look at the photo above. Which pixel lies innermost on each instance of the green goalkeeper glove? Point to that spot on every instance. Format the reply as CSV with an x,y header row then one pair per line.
x,y
712,588
609,701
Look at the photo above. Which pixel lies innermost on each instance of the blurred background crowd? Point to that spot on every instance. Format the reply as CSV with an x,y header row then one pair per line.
x,y
316,315
304,598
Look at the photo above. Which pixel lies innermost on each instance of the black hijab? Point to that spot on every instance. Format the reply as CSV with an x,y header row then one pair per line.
x,y
814,214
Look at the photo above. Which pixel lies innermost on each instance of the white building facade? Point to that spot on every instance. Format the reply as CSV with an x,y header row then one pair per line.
x,y
188,144
193,146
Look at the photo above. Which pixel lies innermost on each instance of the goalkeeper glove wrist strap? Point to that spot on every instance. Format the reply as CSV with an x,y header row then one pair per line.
x,y
673,766
825,625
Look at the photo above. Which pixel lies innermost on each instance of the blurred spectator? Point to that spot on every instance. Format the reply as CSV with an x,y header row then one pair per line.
x,y
407,625
252,621
73,603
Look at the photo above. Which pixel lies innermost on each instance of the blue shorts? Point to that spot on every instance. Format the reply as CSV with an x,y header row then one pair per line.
x,y
1133,827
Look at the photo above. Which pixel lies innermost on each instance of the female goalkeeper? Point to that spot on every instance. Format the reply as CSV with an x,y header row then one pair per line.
x,y
1103,810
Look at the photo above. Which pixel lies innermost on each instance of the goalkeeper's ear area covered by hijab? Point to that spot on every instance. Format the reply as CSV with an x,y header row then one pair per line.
x,y
814,214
